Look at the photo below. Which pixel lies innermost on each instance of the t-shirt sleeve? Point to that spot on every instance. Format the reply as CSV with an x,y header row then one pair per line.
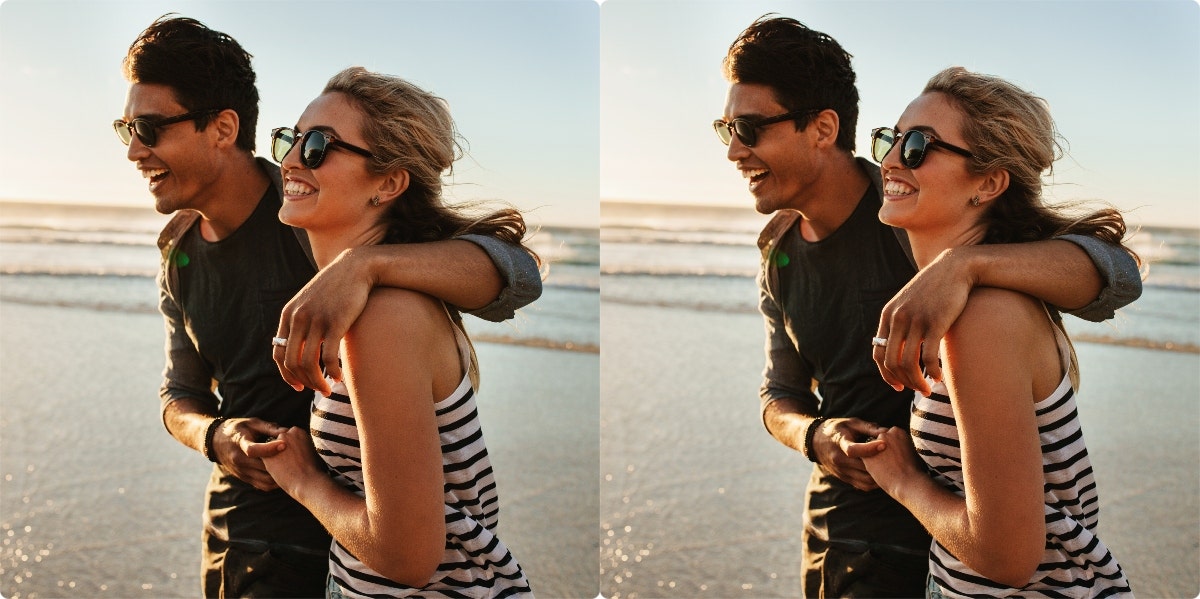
x,y
186,374
1122,280
518,269
786,374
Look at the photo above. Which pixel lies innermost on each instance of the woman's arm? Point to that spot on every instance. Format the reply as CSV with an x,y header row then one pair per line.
x,y
400,355
998,360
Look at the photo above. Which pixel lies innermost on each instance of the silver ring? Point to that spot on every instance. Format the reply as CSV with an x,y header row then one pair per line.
x,y
879,341
279,341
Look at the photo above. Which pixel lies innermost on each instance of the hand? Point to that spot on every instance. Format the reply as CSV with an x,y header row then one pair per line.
x,y
293,460
917,318
894,461
315,321
230,443
841,443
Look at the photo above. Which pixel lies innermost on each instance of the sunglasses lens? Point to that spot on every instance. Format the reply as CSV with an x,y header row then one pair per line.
x,y
723,132
881,143
123,132
746,133
312,149
282,141
145,132
912,149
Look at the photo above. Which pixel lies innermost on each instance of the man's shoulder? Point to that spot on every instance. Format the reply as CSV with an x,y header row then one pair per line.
x,y
780,223
179,224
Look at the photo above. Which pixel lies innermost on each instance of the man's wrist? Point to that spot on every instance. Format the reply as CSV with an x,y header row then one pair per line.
x,y
809,432
210,434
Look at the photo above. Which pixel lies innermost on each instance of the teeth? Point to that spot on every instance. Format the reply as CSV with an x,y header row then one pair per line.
x,y
897,188
752,173
154,172
297,188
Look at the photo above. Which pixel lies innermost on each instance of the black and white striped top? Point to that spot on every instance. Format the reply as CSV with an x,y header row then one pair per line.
x,y
1076,563
475,563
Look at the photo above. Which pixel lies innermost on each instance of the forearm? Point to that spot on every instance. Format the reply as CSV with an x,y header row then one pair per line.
x,y
788,420
187,419
455,271
1057,272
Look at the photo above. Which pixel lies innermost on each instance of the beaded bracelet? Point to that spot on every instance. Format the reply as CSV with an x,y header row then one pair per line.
x,y
808,438
208,438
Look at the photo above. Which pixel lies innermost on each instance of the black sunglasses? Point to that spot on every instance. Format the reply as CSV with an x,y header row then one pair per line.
x,y
313,146
746,129
913,146
146,130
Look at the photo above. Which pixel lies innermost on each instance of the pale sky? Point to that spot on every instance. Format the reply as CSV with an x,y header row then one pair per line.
x,y
521,78
566,101
1122,80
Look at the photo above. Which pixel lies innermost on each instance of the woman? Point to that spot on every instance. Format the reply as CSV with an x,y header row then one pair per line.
x,y
1005,487
406,488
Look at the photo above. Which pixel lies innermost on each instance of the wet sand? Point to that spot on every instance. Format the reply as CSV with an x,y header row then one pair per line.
x,y
97,500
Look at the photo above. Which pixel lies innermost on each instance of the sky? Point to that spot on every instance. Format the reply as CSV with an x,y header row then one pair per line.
x,y
521,78
1122,80
564,102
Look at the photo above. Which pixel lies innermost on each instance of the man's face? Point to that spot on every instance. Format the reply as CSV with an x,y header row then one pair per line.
x,y
778,167
180,166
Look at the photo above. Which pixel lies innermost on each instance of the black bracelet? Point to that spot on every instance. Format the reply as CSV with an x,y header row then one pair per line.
x,y
208,438
808,438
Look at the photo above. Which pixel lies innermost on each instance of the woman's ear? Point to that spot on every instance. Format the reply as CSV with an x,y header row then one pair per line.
x,y
393,185
993,184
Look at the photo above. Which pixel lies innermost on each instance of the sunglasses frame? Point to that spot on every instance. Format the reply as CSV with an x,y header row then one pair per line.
x,y
730,127
903,137
130,128
302,138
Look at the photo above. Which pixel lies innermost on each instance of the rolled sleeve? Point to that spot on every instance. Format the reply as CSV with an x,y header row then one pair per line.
x,y
786,374
1118,269
522,279
185,373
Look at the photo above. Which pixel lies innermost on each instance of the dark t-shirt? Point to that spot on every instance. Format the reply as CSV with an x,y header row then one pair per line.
x,y
231,293
833,291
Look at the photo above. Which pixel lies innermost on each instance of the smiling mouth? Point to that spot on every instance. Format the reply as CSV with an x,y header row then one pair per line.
x,y
293,188
897,188
755,175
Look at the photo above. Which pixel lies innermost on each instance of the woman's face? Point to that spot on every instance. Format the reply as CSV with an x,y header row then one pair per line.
x,y
935,196
337,193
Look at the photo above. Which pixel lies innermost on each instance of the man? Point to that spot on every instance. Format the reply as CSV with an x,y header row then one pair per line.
x,y
229,267
829,268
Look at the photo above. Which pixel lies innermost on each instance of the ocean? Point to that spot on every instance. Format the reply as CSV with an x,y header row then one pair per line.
x,y
105,258
705,258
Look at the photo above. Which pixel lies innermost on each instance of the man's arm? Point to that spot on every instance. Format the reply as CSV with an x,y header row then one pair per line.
x,y
189,407
1084,276
477,273
789,406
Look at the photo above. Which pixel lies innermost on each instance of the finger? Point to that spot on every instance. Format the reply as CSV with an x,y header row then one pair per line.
x,y
908,367
865,449
931,356
265,449
280,353
332,359
310,365
879,352
893,355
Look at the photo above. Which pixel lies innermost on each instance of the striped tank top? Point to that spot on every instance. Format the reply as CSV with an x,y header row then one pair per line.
x,y
475,562
1076,563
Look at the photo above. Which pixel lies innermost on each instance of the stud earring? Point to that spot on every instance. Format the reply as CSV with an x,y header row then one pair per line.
x,y
375,201
975,201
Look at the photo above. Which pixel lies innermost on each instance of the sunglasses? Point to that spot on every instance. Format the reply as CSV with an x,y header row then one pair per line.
x,y
913,146
313,146
146,130
746,129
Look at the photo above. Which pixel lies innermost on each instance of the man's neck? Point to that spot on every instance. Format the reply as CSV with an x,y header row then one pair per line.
x,y
235,194
834,197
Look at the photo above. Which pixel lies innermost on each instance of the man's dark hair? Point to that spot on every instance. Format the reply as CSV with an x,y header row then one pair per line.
x,y
207,70
805,68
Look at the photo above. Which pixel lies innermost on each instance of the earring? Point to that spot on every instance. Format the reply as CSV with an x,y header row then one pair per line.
x,y
975,201
375,201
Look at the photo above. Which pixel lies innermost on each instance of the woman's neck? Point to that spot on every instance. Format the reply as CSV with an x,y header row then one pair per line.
x,y
927,245
328,245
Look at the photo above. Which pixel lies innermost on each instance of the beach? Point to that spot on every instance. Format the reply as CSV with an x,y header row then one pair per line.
x,y
99,501
697,500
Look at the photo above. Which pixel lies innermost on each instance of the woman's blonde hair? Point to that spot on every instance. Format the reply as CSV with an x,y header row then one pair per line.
x,y
1008,128
408,128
